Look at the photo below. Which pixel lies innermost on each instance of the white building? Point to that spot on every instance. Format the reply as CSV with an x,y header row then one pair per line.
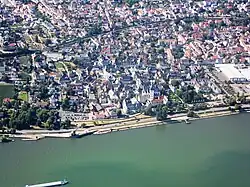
x,y
246,73
232,73
53,56
10,3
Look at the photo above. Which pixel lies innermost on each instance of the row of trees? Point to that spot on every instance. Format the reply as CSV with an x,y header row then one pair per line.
x,y
16,117
160,111
189,95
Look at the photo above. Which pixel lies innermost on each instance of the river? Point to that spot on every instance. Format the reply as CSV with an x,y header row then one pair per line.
x,y
206,153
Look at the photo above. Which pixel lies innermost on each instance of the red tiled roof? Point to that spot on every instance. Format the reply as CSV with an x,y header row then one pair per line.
x,y
158,100
215,57
12,45
6,100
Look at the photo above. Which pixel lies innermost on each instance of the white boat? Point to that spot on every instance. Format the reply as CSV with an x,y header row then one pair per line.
x,y
49,184
29,139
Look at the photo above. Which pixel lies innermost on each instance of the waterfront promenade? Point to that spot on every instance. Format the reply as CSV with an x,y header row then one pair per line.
x,y
134,122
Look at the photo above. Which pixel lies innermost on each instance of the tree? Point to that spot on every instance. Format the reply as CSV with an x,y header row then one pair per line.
x,y
237,107
159,115
179,92
162,112
20,118
119,113
48,42
43,92
76,61
22,121
232,101
175,82
149,111
178,52
191,114
65,104
25,106
43,115
50,123
131,2
66,124
95,30
242,98
37,39
238,95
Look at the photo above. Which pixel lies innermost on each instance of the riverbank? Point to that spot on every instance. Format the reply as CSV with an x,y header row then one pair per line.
x,y
190,153
134,122
172,120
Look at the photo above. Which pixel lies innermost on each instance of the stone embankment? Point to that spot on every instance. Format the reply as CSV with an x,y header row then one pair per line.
x,y
134,122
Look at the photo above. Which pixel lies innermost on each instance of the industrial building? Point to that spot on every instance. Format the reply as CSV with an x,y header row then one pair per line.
x,y
246,73
234,73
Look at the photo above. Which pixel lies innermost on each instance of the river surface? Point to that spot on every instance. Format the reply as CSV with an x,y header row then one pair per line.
x,y
206,153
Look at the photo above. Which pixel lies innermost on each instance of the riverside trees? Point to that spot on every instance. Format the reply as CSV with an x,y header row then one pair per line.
x,y
162,113
27,115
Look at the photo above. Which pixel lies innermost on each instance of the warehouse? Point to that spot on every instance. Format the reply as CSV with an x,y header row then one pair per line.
x,y
246,73
232,73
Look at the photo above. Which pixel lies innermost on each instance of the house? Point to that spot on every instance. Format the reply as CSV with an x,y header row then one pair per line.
x,y
42,76
98,115
112,113
126,79
96,107
53,56
92,97
154,92
144,96
2,67
104,100
130,106
157,101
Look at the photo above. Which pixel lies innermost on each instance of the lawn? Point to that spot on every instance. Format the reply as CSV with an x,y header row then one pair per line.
x,y
59,65
6,91
23,96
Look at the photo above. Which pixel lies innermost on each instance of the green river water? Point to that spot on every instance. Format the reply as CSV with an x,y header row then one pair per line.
x,y
206,153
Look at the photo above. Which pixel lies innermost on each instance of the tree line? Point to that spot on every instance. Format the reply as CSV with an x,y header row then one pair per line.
x,y
17,115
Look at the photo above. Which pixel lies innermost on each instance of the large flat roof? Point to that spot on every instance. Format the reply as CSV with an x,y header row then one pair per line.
x,y
246,73
230,71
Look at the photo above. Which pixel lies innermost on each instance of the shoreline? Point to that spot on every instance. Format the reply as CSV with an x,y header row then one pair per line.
x,y
166,122
128,124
